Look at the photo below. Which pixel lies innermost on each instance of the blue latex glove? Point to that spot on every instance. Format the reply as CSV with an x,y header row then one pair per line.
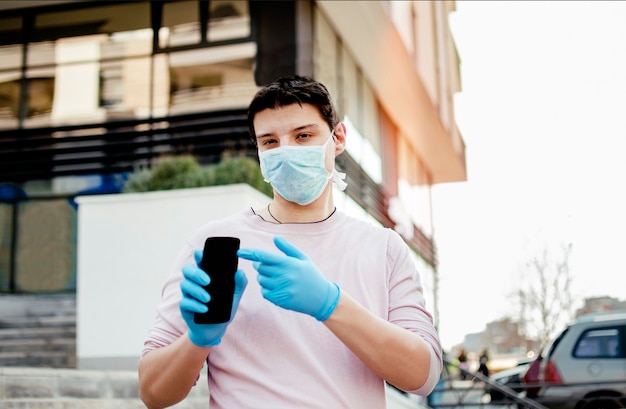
x,y
195,297
292,281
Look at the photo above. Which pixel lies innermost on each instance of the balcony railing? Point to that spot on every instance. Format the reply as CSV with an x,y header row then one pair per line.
x,y
119,146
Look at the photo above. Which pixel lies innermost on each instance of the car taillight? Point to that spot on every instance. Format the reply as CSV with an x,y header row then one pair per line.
x,y
532,374
551,374
531,378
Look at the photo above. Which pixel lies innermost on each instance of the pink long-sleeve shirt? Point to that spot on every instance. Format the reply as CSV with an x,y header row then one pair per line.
x,y
276,358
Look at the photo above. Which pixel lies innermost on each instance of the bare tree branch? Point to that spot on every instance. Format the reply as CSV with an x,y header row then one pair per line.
x,y
545,299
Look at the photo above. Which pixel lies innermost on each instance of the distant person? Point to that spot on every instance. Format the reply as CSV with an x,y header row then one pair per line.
x,y
326,307
482,363
463,364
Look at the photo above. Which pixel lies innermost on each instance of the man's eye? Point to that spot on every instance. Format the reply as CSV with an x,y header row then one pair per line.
x,y
303,136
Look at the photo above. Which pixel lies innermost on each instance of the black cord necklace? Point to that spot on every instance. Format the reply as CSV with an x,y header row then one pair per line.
x,y
272,216
279,222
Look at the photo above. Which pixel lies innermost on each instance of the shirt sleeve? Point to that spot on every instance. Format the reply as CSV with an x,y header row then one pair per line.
x,y
407,306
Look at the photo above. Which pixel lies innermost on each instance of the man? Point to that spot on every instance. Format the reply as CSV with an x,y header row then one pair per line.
x,y
326,307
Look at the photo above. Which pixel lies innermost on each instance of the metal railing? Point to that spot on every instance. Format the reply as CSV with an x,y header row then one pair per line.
x,y
460,388
119,145
591,395
474,390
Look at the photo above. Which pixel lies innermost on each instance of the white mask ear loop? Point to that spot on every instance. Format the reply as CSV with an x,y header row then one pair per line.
x,y
338,180
338,177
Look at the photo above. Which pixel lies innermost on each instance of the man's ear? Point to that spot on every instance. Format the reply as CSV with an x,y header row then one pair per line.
x,y
340,138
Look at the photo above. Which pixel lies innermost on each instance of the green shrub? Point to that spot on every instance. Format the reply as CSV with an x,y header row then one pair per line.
x,y
239,170
179,172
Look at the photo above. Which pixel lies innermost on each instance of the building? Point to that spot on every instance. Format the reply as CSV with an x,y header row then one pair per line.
x,y
600,304
91,90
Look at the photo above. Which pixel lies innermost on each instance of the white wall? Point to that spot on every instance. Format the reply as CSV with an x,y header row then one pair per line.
x,y
126,246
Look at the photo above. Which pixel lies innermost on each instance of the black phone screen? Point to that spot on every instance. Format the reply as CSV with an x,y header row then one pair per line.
x,y
219,261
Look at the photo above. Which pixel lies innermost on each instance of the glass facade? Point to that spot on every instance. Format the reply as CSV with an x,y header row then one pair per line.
x,y
66,73
45,253
6,239
11,57
124,60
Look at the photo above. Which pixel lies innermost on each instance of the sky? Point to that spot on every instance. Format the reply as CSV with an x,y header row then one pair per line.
x,y
542,112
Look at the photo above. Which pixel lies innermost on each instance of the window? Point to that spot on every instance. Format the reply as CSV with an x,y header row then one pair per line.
x,y
209,60
76,59
228,20
124,60
206,79
598,343
45,255
185,24
180,24
10,74
6,234
9,99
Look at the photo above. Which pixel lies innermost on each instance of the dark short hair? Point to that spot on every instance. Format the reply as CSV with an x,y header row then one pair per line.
x,y
293,89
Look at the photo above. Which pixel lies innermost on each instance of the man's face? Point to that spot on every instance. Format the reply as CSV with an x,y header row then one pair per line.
x,y
295,125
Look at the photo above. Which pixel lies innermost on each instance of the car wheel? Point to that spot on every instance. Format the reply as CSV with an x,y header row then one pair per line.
x,y
603,403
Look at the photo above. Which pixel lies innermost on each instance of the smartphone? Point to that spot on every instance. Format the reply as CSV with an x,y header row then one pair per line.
x,y
219,261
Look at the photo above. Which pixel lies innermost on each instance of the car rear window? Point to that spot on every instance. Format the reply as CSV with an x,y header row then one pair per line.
x,y
599,343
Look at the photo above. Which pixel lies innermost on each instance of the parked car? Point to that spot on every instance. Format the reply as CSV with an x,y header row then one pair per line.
x,y
511,378
531,377
584,367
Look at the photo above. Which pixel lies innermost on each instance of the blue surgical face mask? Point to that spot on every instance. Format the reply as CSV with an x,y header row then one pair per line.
x,y
297,173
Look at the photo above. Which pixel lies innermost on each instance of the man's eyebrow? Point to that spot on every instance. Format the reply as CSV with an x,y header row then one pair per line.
x,y
296,129
303,127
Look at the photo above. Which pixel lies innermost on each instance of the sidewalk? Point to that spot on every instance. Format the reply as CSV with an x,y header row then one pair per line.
x,y
48,388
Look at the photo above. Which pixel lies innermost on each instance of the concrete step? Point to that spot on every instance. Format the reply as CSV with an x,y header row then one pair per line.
x,y
39,347
40,321
52,359
34,388
24,305
38,344
38,330
55,307
37,333
73,404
